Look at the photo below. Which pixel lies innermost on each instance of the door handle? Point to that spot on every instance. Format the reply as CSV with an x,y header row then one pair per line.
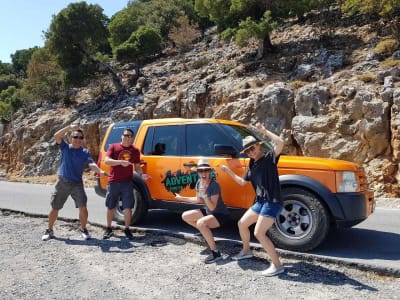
x,y
190,164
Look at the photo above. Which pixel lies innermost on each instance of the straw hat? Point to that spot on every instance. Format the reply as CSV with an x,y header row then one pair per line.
x,y
203,164
249,141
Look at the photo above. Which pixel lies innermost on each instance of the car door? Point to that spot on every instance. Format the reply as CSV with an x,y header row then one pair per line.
x,y
201,141
161,156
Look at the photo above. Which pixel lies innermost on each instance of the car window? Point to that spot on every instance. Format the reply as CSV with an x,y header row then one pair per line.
x,y
118,129
201,139
238,133
164,140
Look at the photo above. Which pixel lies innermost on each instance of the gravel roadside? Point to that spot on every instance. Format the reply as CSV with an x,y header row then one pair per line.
x,y
158,267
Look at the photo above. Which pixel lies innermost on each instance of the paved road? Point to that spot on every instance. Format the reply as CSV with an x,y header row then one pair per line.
x,y
373,244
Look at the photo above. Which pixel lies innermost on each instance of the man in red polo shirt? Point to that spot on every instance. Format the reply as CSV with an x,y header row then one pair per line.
x,y
124,158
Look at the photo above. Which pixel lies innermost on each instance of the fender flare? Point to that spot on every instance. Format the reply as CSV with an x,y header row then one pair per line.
x,y
328,198
143,188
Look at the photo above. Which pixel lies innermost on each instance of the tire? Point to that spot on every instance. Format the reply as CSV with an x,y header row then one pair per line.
x,y
303,223
139,209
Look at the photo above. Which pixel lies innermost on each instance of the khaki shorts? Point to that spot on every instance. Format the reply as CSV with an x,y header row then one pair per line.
x,y
65,188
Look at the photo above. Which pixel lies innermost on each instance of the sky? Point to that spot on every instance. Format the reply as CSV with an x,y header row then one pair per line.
x,y
22,22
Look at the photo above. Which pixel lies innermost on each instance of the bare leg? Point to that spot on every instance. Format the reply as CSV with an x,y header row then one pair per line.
x,y
110,216
260,232
53,215
127,217
83,216
249,218
191,216
204,225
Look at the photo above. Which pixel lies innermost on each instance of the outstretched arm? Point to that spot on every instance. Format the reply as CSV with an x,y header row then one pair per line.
x,y
278,142
96,169
195,200
235,177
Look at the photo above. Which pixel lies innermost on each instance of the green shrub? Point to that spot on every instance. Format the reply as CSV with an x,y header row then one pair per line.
x,y
227,34
226,67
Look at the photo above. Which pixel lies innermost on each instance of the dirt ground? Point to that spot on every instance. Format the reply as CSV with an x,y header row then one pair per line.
x,y
153,266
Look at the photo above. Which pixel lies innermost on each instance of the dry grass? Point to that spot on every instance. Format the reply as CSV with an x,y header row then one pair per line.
x,y
367,77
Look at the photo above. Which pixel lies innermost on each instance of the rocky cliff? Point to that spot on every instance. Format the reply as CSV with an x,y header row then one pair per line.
x,y
329,94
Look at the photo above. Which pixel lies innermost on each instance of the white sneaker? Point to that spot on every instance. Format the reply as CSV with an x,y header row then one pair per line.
x,y
84,233
272,270
48,234
242,255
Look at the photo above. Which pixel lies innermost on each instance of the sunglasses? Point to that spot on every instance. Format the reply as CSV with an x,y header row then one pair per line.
x,y
203,170
127,135
251,149
77,137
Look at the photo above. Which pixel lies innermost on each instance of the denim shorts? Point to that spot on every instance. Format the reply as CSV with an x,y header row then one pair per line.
x,y
267,209
117,191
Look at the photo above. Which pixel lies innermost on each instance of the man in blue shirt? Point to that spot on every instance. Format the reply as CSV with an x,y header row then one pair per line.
x,y
74,158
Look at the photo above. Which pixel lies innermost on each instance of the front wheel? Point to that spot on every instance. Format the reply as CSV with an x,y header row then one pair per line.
x,y
139,209
302,224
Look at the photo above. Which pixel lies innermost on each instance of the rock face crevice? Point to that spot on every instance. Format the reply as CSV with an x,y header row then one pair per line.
x,y
339,102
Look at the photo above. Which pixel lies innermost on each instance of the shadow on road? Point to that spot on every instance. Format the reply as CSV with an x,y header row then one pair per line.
x,y
118,243
122,245
361,243
310,273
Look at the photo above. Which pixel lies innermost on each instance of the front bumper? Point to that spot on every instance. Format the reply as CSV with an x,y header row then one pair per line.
x,y
356,207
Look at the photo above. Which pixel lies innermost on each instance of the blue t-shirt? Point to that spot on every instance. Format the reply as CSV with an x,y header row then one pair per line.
x,y
73,162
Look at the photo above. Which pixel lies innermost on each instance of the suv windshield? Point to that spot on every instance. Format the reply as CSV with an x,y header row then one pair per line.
x,y
118,129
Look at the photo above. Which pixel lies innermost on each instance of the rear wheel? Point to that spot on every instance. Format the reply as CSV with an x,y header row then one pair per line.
x,y
302,224
139,209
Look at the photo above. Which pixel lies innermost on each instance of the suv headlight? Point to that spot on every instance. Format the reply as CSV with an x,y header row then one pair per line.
x,y
346,182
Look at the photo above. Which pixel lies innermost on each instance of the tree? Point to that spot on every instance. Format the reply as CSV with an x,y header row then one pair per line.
x,y
161,15
122,25
20,60
10,101
6,68
46,79
249,18
75,36
217,11
388,9
7,76
382,7
144,42
183,34
261,31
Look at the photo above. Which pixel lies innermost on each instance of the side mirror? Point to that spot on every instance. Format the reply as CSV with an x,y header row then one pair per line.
x,y
225,150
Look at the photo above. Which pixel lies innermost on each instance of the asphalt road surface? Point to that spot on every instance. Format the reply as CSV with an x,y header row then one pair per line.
x,y
372,245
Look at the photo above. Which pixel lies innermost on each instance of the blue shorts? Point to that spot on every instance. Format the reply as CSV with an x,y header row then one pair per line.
x,y
117,191
267,209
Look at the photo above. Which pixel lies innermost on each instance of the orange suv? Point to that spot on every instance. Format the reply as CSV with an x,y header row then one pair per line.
x,y
317,193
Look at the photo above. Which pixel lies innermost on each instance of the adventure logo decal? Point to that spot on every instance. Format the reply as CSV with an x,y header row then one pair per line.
x,y
176,182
